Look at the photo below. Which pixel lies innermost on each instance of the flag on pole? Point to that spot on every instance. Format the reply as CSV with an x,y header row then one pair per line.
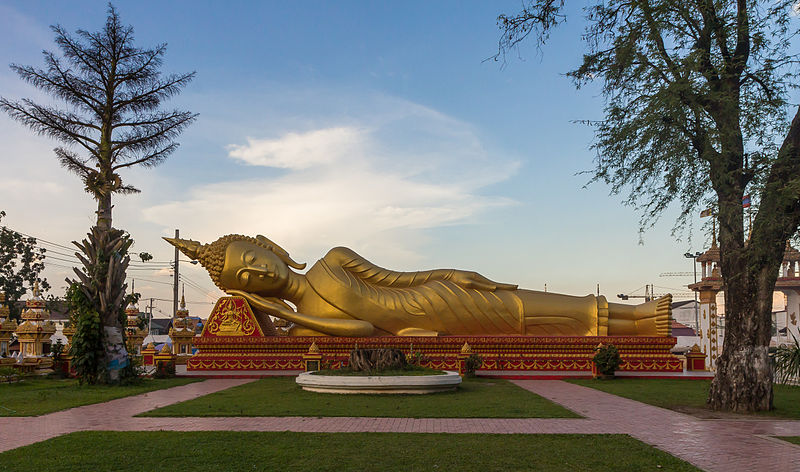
x,y
746,201
705,213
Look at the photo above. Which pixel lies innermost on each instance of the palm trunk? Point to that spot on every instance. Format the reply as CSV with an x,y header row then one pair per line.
x,y
112,258
104,211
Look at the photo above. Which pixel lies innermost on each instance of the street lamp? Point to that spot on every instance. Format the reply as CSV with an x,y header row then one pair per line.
x,y
694,257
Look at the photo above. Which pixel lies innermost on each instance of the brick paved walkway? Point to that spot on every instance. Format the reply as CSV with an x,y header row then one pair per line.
x,y
714,445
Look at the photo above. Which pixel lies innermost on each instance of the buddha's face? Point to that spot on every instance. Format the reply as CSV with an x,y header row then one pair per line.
x,y
253,269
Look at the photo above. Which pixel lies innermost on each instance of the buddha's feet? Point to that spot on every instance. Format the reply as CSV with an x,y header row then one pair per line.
x,y
654,318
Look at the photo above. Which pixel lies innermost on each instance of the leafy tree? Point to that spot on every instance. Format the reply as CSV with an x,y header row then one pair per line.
x,y
21,262
112,92
697,110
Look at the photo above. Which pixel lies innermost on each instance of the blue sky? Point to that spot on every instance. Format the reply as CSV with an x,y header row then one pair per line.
x,y
373,125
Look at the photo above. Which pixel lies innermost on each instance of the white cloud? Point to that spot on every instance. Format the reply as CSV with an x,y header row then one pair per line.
x,y
299,150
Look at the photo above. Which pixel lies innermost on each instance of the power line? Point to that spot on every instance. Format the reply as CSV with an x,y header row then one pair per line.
x,y
76,261
184,277
38,239
67,248
153,281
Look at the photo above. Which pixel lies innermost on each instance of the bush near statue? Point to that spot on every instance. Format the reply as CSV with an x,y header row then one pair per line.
x,y
343,294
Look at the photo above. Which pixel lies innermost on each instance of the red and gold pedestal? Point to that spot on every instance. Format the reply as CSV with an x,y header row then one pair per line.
x,y
232,340
695,359
148,355
163,356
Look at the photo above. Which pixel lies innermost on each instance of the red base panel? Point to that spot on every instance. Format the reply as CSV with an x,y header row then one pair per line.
x,y
499,353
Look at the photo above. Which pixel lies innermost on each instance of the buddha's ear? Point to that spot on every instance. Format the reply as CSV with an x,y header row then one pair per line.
x,y
280,252
269,243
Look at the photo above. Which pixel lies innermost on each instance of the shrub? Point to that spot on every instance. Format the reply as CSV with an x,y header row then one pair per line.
x,y
606,359
786,361
417,358
165,369
471,364
8,374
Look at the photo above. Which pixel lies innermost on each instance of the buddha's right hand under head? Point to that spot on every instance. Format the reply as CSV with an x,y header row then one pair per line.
x,y
269,306
329,326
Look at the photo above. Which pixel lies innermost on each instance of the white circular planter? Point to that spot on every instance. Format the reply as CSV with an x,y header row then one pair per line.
x,y
383,384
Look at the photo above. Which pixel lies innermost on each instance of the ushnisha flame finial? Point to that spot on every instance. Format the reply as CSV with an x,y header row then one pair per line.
x,y
186,246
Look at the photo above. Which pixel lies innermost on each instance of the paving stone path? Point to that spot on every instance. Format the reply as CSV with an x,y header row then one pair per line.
x,y
713,445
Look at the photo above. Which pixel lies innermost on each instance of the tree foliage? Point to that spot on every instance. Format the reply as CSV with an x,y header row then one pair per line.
x,y
21,262
112,92
682,88
697,112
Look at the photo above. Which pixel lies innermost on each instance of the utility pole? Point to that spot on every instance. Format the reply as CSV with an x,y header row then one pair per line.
x,y
694,257
176,275
150,317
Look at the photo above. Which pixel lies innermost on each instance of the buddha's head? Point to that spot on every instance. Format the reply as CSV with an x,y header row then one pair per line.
x,y
236,262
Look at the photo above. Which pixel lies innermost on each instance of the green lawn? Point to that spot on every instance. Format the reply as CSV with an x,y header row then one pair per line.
x,y
280,396
285,451
33,397
791,439
688,395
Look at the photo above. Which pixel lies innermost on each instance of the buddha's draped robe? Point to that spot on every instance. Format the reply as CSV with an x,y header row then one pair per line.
x,y
393,301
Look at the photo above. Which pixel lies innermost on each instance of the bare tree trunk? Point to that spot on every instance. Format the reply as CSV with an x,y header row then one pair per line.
x,y
743,382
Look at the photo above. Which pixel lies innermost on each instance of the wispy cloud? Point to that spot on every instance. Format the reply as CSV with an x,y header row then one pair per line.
x,y
375,184
299,150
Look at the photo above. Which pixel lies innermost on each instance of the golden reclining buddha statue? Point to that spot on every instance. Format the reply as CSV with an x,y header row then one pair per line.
x,y
343,294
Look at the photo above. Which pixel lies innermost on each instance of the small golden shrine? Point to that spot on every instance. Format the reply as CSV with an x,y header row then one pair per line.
x,y
135,334
312,360
7,327
182,334
34,333
148,355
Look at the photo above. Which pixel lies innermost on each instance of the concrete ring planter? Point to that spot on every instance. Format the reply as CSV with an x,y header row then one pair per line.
x,y
382,384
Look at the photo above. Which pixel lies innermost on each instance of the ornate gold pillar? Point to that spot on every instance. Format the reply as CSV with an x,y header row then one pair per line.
x,y
134,334
7,327
182,334
34,333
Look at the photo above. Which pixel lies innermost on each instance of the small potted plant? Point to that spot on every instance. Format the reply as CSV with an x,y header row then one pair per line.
x,y
606,361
